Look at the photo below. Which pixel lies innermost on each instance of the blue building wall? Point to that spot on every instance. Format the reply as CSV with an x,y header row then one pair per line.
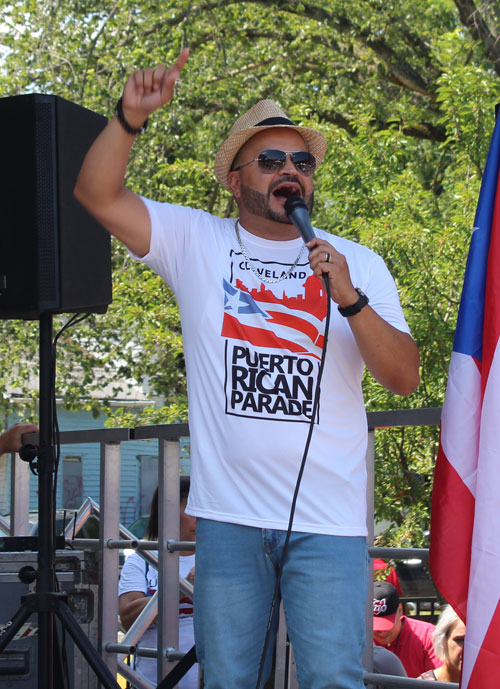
x,y
135,487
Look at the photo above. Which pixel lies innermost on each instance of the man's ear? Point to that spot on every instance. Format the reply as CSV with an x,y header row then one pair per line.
x,y
234,183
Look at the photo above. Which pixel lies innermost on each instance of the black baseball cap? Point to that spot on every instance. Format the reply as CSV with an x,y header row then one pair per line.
x,y
385,606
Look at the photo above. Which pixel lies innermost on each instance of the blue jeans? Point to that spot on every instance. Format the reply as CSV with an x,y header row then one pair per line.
x,y
323,586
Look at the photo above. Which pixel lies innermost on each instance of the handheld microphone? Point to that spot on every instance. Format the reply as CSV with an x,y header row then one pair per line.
x,y
298,213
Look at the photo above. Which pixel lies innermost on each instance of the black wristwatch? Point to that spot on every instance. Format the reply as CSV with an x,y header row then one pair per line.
x,y
356,307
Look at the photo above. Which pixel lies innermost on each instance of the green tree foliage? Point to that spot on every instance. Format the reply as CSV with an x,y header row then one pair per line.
x,y
404,91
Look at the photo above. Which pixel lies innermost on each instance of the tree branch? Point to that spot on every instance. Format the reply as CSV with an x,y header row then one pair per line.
x,y
401,71
472,18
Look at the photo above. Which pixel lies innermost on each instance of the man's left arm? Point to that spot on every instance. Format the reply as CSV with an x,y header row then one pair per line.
x,y
390,354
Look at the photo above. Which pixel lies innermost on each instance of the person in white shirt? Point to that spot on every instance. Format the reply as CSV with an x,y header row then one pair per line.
x,y
139,581
253,306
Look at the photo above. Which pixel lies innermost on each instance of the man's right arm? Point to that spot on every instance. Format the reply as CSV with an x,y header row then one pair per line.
x,y
100,185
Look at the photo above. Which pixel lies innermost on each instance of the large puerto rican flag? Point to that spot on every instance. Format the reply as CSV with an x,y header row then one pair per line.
x,y
465,519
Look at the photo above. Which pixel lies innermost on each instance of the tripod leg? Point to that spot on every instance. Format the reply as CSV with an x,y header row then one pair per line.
x,y
14,625
46,622
61,678
88,651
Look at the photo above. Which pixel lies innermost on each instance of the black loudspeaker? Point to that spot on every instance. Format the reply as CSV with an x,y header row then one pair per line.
x,y
54,258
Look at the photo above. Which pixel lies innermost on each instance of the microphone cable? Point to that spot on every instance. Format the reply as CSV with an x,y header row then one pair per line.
x,y
317,394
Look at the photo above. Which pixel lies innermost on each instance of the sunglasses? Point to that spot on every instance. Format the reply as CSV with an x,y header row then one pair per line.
x,y
273,160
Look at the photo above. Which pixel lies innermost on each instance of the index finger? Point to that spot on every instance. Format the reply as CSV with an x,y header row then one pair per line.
x,y
172,75
181,60
319,244
317,241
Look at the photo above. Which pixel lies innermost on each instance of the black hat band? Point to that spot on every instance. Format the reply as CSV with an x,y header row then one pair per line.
x,y
274,120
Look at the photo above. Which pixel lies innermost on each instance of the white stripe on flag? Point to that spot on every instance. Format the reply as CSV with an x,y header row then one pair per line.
x,y
484,583
460,417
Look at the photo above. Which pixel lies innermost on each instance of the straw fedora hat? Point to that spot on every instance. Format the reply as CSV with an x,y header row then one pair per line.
x,y
263,115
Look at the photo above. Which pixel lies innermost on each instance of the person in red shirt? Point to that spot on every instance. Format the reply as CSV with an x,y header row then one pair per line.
x,y
411,640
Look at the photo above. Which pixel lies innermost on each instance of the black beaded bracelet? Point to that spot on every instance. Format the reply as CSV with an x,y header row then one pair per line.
x,y
126,126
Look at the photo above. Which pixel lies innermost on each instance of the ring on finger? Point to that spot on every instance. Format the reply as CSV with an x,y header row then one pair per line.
x,y
327,257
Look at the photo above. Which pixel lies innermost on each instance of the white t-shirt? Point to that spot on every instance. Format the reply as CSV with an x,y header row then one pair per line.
x,y
136,576
252,353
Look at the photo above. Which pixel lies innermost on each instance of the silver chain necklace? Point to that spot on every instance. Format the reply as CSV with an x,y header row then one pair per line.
x,y
258,275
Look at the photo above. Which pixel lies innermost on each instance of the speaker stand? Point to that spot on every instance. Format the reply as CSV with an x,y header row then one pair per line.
x,y
47,602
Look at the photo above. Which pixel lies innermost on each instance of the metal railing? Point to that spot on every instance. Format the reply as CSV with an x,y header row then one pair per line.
x,y
114,536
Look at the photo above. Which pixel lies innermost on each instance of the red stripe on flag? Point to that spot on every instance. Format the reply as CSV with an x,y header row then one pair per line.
x,y
487,665
452,519
259,337
491,329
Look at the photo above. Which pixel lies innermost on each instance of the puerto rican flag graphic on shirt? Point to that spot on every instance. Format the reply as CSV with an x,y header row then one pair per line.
x,y
273,347
262,319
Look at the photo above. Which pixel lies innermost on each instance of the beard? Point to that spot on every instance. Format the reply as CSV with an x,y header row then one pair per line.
x,y
257,203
